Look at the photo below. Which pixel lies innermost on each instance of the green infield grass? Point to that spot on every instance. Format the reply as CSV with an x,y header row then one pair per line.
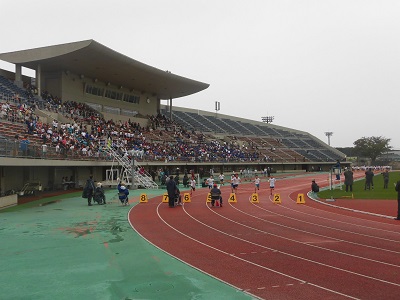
x,y
378,192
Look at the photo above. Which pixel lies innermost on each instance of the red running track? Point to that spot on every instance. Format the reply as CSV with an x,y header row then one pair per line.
x,y
279,251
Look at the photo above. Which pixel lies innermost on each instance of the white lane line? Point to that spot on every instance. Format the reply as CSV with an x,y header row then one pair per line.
x,y
247,261
319,235
344,216
303,185
282,252
331,220
323,226
181,260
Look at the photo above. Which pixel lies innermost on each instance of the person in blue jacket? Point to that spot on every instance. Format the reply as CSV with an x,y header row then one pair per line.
x,y
123,193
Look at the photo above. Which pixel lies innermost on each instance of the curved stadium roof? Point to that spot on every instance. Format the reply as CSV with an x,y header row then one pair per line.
x,y
94,60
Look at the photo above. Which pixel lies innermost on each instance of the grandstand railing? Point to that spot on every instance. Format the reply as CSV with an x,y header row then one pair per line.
x,y
12,149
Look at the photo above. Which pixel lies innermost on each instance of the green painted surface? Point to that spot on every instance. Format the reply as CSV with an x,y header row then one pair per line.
x,y
59,248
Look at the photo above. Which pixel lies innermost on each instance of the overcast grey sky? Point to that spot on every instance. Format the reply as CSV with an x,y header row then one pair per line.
x,y
314,65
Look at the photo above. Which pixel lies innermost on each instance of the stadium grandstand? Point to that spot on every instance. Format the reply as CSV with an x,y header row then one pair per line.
x,y
90,110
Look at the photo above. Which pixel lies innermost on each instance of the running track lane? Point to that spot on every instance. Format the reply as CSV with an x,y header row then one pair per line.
x,y
279,251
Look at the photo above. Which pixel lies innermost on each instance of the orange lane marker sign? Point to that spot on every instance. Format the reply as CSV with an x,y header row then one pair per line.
x,y
143,198
232,198
300,199
208,197
254,198
186,198
352,196
165,198
277,199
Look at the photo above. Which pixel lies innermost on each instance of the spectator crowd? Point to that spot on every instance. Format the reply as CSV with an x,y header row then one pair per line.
x,y
88,134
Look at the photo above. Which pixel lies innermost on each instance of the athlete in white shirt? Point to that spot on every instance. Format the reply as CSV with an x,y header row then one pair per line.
x,y
210,182
272,181
256,184
221,178
192,186
235,182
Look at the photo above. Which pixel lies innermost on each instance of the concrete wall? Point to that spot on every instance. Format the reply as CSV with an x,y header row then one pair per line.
x,y
51,82
8,200
15,172
143,122
73,89
49,176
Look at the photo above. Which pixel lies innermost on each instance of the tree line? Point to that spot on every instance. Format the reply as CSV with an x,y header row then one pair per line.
x,y
368,147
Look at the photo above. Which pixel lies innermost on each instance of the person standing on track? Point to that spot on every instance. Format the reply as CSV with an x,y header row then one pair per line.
x,y
271,181
348,179
397,188
171,189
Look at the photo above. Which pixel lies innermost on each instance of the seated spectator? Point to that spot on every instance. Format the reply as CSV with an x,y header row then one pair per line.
x,y
99,195
178,197
123,193
216,195
314,187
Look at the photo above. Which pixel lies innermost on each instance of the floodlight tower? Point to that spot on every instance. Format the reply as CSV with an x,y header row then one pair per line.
x,y
329,134
217,107
268,119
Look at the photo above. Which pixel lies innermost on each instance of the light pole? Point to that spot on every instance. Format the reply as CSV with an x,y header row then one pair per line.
x,y
329,134
217,108
268,119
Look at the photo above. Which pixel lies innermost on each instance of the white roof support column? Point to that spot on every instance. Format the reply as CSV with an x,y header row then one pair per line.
x,y
170,109
18,76
39,80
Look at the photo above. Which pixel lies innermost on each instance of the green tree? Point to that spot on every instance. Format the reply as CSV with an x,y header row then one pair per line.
x,y
371,147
